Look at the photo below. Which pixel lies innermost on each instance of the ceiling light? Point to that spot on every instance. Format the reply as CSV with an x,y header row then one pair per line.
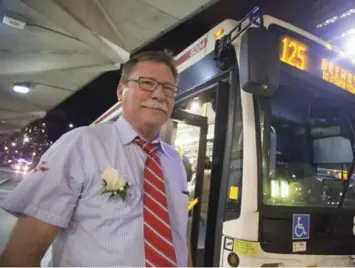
x,y
14,20
22,88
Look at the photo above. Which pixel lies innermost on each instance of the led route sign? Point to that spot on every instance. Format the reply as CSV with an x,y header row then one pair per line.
x,y
317,61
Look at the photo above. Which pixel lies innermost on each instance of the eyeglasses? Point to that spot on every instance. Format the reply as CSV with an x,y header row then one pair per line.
x,y
150,84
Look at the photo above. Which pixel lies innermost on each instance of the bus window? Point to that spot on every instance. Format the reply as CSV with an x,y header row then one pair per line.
x,y
298,179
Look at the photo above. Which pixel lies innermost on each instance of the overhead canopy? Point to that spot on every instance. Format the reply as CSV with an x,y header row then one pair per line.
x,y
65,44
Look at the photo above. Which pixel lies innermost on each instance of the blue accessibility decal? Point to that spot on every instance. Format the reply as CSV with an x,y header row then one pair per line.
x,y
300,226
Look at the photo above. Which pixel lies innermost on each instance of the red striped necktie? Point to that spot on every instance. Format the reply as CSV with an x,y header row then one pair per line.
x,y
158,241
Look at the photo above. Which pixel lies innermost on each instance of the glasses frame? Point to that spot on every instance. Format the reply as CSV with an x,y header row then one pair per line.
x,y
157,84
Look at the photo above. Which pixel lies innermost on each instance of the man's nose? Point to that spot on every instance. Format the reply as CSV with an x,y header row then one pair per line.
x,y
158,93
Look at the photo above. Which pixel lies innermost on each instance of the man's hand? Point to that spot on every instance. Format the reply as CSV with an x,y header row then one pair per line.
x,y
28,243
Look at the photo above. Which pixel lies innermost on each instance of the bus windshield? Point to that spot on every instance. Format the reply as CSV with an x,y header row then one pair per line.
x,y
311,148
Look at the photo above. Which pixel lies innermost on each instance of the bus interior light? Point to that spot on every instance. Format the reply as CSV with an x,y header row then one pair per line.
x,y
195,106
275,191
284,189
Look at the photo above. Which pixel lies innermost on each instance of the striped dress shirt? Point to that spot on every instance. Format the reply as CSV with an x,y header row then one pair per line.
x,y
95,230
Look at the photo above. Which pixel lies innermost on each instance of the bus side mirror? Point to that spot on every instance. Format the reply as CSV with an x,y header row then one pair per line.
x,y
259,62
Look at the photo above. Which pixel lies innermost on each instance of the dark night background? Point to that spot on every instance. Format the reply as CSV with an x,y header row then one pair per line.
x,y
91,101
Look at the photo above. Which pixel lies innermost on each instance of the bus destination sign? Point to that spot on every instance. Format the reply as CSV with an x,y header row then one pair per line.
x,y
337,75
317,61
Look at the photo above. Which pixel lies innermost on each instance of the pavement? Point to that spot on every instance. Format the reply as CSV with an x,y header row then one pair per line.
x,y
8,182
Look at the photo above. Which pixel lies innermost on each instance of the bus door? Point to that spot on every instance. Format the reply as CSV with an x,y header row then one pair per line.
x,y
190,131
202,120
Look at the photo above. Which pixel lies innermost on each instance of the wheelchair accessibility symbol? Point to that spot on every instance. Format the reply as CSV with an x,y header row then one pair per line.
x,y
300,224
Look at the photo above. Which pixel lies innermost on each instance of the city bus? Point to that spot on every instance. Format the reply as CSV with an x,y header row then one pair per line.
x,y
272,107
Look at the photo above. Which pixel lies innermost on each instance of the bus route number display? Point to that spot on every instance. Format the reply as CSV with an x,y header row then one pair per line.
x,y
294,53
297,54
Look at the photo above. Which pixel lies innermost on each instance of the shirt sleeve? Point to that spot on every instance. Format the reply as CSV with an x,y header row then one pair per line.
x,y
51,191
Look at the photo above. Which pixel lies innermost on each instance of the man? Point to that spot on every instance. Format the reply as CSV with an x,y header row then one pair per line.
x,y
99,195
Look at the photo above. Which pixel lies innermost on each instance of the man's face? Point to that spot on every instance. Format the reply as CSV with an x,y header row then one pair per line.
x,y
144,107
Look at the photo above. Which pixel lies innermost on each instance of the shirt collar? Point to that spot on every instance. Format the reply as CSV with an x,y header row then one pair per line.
x,y
128,134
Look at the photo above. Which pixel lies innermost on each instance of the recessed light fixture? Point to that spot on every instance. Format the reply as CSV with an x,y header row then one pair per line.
x,y
13,19
22,88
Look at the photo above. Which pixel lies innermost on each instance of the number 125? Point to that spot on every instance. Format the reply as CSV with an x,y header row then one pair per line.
x,y
294,53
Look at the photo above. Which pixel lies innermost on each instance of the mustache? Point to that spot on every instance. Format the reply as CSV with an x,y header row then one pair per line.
x,y
153,104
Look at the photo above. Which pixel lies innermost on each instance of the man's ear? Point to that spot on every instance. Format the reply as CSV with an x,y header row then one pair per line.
x,y
119,92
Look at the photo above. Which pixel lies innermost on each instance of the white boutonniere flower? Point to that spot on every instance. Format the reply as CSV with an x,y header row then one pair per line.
x,y
114,184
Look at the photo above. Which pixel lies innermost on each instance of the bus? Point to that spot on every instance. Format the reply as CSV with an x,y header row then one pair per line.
x,y
272,107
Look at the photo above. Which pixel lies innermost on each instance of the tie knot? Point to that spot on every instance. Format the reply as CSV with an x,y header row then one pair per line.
x,y
148,148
